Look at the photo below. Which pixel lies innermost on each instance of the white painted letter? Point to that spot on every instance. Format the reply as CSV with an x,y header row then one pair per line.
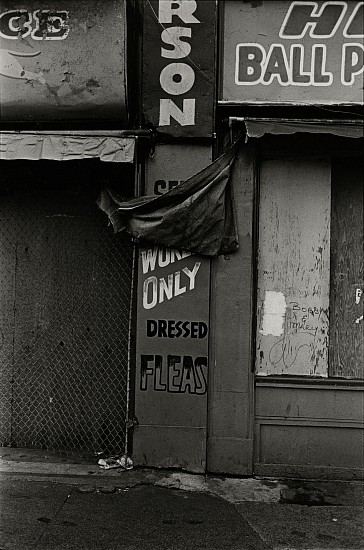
x,y
168,109
172,36
177,289
177,78
154,282
166,252
181,8
149,258
165,288
192,274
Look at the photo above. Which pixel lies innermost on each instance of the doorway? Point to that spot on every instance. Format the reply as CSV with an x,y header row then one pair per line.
x,y
66,302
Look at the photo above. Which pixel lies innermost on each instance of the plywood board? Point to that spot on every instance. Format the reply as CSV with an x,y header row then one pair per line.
x,y
293,267
346,305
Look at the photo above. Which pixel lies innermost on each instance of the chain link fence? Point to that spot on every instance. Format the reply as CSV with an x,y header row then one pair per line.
x,y
66,298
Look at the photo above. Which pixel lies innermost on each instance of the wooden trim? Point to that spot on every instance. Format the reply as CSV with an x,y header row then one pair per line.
x,y
299,421
308,472
311,383
231,382
238,103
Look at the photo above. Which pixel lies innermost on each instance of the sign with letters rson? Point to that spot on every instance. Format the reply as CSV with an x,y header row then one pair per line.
x,y
293,52
179,52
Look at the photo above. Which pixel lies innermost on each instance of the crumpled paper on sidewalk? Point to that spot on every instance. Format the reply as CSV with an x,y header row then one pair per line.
x,y
116,462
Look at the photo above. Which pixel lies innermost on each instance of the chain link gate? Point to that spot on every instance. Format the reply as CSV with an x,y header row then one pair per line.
x,y
65,320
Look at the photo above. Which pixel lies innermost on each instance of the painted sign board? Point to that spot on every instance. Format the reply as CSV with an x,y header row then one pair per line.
x,y
172,335
179,45
293,52
62,60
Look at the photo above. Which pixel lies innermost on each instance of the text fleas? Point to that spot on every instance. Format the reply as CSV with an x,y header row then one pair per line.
x,y
173,374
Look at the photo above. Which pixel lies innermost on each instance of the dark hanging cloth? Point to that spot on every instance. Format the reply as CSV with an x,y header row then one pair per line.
x,y
198,215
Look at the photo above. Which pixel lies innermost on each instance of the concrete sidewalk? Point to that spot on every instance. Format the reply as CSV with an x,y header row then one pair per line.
x,y
54,502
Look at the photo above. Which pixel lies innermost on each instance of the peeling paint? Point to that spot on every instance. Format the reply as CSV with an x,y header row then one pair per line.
x,y
52,75
274,310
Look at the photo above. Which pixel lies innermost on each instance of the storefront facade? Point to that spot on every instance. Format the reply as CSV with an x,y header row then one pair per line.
x,y
307,261
284,383
66,280
247,362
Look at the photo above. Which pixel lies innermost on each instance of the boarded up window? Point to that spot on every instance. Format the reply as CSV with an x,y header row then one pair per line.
x,y
346,295
293,261
310,268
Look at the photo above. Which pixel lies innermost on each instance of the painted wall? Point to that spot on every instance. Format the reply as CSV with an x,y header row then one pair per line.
x,y
172,361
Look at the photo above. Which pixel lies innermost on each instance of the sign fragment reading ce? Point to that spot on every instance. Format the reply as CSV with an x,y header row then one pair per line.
x,y
39,24
46,71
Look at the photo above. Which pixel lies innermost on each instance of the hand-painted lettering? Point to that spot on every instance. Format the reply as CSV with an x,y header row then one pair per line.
x,y
39,24
157,290
162,328
162,186
306,63
352,63
173,374
183,9
177,78
256,66
162,257
308,16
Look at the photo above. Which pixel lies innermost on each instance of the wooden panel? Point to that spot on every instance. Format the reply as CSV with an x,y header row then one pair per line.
x,y
294,262
346,301
344,404
231,382
311,445
172,365
312,431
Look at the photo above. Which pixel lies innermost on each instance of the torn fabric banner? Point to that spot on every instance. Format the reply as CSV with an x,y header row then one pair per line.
x,y
198,215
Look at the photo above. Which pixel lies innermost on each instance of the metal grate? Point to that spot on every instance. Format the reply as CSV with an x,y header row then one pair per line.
x,y
65,298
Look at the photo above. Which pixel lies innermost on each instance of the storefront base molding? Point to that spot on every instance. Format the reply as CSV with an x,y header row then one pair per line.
x,y
229,455
308,472
170,447
314,430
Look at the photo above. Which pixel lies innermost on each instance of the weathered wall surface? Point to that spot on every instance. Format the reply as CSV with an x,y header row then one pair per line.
x,y
62,61
294,267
